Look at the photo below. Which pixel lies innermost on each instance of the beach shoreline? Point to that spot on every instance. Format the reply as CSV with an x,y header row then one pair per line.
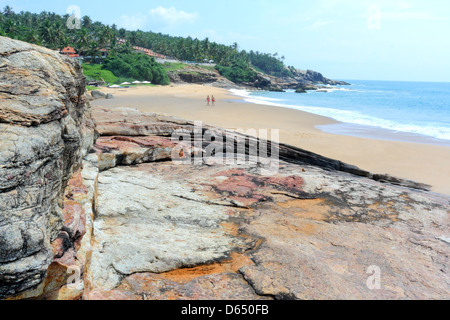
x,y
416,161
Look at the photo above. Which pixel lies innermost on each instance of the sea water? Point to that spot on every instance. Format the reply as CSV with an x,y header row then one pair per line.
x,y
403,111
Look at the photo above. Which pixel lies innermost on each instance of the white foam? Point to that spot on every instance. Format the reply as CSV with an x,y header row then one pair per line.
x,y
353,117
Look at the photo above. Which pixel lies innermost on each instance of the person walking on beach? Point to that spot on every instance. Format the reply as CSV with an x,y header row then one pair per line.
x,y
207,100
213,101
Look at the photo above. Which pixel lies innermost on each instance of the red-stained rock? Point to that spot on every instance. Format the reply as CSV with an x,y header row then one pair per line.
x,y
166,230
120,150
74,219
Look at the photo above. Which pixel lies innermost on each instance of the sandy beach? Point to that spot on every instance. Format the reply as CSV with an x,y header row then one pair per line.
x,y
424,163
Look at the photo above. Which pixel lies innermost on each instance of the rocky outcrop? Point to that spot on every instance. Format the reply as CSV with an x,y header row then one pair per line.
x,y
154,210
311,80
198,75
210,230
98,94
314,77
45,131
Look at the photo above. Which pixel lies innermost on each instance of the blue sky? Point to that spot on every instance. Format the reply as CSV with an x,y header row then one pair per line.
x,y
343,39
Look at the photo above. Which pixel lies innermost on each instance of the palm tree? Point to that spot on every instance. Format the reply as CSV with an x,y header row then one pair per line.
x,y
47,32
8,11
11,28
122,33
86,22
32,36
93,51
105,36
83,39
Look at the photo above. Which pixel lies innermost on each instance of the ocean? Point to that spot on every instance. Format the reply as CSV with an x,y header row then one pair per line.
x,y
389,110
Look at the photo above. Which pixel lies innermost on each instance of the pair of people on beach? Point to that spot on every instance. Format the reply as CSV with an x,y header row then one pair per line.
x,y
211,100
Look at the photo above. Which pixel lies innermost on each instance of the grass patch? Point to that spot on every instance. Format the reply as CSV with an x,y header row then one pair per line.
x,y
171,66
190,72
209,68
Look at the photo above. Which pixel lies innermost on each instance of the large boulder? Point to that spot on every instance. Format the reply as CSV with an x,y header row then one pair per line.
x,y
45,131
98,94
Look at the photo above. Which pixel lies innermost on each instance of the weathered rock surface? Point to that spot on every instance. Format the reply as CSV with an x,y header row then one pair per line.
x,y
146,216
98,94
314,230
300,79
45,131
199,75
311,76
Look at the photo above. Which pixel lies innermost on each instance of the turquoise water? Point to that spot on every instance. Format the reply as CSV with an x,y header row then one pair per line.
x,y
412,111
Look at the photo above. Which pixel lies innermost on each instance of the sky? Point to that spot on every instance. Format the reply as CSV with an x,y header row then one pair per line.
x,y
404,40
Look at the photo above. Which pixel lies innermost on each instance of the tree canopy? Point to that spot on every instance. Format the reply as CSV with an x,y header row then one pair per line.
x,y
50,30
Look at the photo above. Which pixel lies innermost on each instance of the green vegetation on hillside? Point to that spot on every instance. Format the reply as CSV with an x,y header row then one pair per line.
x,y
269,64
94,72
136,66
237,70
170,66
50,30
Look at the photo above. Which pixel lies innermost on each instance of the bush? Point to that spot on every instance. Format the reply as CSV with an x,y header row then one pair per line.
x,y
136,66
237,71
94,72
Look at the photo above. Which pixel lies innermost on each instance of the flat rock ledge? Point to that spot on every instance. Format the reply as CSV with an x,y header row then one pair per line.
x,y
141,226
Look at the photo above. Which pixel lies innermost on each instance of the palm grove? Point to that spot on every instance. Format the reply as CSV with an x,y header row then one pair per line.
x,y
50,30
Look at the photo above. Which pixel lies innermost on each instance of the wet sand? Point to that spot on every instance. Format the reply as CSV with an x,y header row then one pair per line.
x,y
420,162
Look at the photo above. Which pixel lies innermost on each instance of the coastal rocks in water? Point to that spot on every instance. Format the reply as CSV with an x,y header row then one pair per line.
x,y
306,88
316,77
109,96
45,131
309,80
275,89
207,76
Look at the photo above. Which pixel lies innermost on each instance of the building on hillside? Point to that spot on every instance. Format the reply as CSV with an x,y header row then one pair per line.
x,y
146,51
149,52
70,52
104,53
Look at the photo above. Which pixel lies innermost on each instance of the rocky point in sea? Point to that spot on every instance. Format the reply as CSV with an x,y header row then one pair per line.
x,y
107,213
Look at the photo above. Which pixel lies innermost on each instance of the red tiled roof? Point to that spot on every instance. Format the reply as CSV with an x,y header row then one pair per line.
x,y
68,50
148,52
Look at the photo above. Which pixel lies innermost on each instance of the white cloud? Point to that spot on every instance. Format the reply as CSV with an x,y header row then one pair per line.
x,y
133,22
162,17
172,16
